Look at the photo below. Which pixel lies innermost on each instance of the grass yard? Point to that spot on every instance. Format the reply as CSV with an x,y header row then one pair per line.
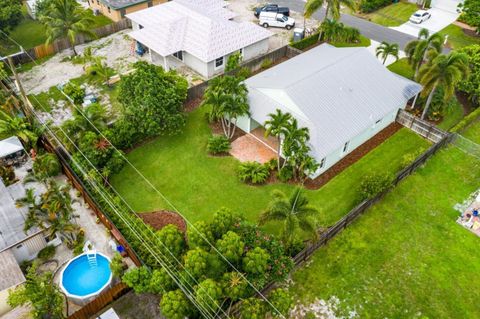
x,y
457,38
199,184
472,131
401,67
364,42
393,15
406,257
451,117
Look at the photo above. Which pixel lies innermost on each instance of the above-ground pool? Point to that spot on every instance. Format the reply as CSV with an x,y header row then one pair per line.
x,y
82,279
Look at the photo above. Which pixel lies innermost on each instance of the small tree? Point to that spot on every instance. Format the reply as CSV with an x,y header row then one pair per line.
x,y
253,308
235,286
138,279
281,301
117,266
200,235
196,262
46,165
40,293
175,305
10,14
208,295
255,261
161,282
171,241
386,49
223,221
231,246
417,50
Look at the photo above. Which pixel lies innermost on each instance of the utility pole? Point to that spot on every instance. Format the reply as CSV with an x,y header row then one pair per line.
x,y
27,106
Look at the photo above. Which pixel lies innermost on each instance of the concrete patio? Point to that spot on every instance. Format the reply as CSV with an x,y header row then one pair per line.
x,y
254,147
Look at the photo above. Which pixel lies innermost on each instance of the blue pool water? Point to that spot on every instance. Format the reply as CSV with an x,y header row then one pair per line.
x,y
81,279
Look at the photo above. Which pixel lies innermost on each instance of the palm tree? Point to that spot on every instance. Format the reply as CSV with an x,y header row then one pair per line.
x,y
417,50
101,69
295,213
385,49
276,126
17,126
445,71
66,18
332,10
332,30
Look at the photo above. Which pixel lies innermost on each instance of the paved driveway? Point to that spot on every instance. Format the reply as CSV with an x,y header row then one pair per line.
x,y
443,13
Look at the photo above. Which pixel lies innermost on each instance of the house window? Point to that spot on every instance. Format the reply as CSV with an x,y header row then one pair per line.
x,y
219,63
140,26
179,55
322,162
345,147
241,51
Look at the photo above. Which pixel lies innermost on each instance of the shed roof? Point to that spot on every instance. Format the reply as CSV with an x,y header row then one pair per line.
x,y
11,273
200,27
336,92
9,146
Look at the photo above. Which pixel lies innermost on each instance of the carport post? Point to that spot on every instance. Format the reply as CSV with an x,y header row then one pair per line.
x,y
414,100
165,66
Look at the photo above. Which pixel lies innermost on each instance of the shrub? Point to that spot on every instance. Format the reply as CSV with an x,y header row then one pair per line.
x,y
255,261
7,173
367,6
47,252
285,174
306,42
253,172
75,92
175,305
223,221
272,164
231,246
161,282
46,165
171,241
373,185
138,279
266,63
218,144
117,266
253,308
466,121
196,262
282,301
200,235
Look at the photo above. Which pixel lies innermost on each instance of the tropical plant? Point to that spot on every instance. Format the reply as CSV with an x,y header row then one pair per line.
x,y
40,293
138,279
45,166
373,185
226,98
294,212
235,286
9,103
417,50
196,262
101,69
218,144
200,235
231,246
253,172
175,305
89,119
17,126
470,13
66,18
117,266
471,84
10,14
208,295
255,261
332,9
445,71
253,308
386,49
51,211
7,174
171,241
281,302
75,92
233,62
223,221
46,253
276,126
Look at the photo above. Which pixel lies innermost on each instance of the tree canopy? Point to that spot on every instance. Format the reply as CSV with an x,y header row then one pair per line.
x,y
10,14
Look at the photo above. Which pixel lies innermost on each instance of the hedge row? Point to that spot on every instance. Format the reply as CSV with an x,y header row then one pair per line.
x,y
367,6
467,120
306,42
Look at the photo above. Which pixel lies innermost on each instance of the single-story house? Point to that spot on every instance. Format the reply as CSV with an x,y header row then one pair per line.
x,y
197,33
344,96
117,9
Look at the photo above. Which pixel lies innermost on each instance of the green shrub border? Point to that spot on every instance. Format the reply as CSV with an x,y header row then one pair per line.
x,y
466,121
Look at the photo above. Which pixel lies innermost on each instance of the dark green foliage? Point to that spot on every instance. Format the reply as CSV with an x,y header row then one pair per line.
x,y
253,172
235,286
175,305
470,13
306,42
75,92
218,144
161,282
253,308
47,252
233,62
285,174
153,101
196,262
7,173
208,295
231,246
373,185
282,302
200,235
466,121
255,261
367,6
10,14
117,266
138,279
171,241
42,7
471,85
46,165
266,63
223,221
334,31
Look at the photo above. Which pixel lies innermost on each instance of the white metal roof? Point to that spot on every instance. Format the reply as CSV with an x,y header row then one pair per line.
x,y
336,92
200,27
9,146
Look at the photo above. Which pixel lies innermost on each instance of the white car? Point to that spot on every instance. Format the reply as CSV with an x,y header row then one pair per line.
x,y
273,19
420,16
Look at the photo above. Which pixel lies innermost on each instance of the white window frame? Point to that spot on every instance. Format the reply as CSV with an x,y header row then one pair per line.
x,y
176,55
345,147
221,66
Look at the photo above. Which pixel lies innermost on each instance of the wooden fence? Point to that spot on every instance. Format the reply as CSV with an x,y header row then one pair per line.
x,y
89,199
421,127
254,65
58,45
100,302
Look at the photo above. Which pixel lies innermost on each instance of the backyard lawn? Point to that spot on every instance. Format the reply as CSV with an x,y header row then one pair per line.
x,y
199,184
472,132
401,67
457,39
393,15
406,257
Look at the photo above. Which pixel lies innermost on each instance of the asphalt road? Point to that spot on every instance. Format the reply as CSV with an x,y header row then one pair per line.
x,y
369,29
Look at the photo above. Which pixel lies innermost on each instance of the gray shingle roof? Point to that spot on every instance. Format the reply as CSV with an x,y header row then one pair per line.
x,y
11,274
336,92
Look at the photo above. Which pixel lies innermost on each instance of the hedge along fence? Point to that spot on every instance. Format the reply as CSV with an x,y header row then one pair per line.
x,y
466,121
61,44
254,65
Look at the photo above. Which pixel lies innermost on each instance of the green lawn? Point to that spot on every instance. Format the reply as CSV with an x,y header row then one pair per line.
x,y
393,15
30,33
406,257
457,38
364,42
401,67
451,117
472,131
199,184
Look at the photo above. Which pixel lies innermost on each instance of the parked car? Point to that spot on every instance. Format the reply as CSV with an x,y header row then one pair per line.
x,y
272,19
420,16
272,8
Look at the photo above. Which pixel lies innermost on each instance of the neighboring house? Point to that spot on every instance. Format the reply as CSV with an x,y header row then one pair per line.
x,y
344,96
117,9
31,6
196,33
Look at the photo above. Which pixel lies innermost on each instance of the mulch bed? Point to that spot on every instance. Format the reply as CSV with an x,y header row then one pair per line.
x,y
217,129
192,104
353,157
160,219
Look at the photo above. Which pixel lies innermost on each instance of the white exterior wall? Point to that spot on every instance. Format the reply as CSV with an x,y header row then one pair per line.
x,y
358,140
244,123
28,249
195,64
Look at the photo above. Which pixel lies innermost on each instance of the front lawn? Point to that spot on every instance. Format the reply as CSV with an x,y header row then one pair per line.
x,y
401,67
364,42
393,15
472,132
457,39
199,184
406,257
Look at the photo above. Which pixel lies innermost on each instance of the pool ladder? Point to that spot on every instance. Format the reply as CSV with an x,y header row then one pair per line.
x,y
92,258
